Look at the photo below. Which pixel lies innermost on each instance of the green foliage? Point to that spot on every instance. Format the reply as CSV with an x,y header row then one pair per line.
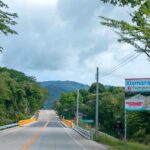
x,y
19,95
117,144
6,20
132,3
139,121
136,33
92,88
111,112
67,104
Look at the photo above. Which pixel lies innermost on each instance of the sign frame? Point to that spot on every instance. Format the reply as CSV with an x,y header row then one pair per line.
x,y
137,94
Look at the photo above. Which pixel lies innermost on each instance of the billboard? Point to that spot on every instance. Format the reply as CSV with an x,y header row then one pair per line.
x,y
137,94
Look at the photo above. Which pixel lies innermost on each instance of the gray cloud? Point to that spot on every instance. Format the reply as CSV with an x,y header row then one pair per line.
x,y
65,40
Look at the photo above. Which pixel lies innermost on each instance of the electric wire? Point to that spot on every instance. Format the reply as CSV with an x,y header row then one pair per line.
x,y
124,61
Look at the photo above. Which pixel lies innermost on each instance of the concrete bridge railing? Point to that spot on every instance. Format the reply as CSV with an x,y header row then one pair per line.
x,y
8,126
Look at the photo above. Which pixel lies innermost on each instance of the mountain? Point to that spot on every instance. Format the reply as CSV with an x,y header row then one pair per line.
x,y
55,89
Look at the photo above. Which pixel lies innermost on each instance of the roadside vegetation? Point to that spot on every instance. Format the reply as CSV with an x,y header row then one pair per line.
x,y
111,112
117,144
20,96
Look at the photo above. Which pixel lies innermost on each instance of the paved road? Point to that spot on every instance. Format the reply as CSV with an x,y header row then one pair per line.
x,y
48,133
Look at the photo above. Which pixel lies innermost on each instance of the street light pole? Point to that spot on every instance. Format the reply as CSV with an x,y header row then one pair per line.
x,y
97,99
77,113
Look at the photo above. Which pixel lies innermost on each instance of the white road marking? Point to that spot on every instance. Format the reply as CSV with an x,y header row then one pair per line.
x,y
75,140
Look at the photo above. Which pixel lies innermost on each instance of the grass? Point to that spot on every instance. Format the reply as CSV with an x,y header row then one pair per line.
x,y
117,144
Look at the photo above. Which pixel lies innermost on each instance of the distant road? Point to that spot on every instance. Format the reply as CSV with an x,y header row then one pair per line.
x,y
48,133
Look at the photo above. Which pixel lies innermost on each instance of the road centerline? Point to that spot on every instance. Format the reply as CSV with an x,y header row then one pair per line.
x,y
34,138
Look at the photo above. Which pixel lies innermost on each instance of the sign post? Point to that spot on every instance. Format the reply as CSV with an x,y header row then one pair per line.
x,y
77,113
125,132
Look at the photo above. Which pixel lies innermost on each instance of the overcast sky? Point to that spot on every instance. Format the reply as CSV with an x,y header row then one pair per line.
x,y
63,40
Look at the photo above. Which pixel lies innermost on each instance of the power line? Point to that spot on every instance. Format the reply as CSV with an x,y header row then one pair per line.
x,y
127,56
125,60
124,63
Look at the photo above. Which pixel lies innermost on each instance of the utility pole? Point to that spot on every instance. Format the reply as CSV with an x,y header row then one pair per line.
x,y
97,99
125,132
77,113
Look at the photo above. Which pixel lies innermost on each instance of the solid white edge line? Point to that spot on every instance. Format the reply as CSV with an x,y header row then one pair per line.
x,y
78,143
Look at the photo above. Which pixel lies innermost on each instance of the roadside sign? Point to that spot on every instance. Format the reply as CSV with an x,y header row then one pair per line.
x,y
137,94
137,85
86,121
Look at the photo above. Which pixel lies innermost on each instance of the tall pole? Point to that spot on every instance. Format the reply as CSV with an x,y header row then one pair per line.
x,y
125,130
77,113
97,99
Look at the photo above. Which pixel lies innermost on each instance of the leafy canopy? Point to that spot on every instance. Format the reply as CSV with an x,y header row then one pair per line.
x,y
6,20
132,3
20,95
136,33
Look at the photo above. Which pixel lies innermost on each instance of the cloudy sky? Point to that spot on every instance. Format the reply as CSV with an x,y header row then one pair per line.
x,y
63,40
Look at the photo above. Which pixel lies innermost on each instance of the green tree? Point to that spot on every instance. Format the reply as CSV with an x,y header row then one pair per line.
x,y
131,3
92,88
6,20
67,104
19,95
136,33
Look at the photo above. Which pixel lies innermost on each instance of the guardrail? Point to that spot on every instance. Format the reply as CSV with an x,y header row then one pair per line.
x,y
85,133
8,126
24,122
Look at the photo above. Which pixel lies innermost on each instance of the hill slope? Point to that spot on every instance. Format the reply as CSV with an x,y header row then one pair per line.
x,y
55,88
20,96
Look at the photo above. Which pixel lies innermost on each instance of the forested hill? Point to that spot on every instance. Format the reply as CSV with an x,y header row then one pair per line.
x,y
56,88
20,96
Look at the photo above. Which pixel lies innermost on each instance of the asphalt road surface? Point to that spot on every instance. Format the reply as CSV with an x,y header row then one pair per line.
x,y
48,133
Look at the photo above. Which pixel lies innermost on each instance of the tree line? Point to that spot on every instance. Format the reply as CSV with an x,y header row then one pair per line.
x,y
111,112
20,96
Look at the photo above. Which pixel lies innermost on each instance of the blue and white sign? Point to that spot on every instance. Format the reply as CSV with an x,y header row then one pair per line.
x,y
137,85
137,94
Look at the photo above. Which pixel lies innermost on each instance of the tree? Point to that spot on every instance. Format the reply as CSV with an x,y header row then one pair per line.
x,y
132,3
6,20
136,33
19,95
67,104
92,88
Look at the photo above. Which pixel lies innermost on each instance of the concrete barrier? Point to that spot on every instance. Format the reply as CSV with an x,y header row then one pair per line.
x,y
27,121
20,123
68,123
8,126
